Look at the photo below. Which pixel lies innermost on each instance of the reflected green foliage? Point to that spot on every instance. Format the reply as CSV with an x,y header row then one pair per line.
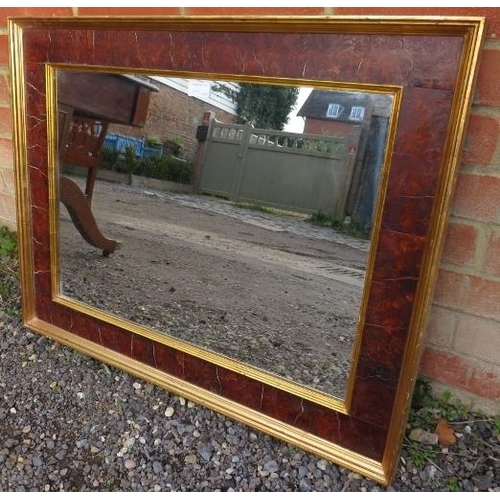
x,y
110,160
253,104
324,219
167,168
130,161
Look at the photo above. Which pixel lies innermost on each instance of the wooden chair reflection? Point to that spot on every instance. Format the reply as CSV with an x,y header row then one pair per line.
x,y
81,145
87,104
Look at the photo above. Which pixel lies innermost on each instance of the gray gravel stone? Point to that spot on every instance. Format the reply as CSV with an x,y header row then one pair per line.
x,y
58,441
271,466
305,485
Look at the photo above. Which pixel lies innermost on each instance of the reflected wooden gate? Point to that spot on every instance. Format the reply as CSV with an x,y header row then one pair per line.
x,y
297,172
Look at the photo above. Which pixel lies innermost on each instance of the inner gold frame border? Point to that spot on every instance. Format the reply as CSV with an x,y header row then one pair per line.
x,y
330,401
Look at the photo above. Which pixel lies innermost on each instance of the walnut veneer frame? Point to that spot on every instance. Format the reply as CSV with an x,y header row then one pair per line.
x,y
429,63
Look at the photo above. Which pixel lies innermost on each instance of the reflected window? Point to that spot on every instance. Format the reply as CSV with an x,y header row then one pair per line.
x,y
357,113
334,110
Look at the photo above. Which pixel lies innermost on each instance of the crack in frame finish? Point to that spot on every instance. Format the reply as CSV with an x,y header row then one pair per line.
x,y
429,63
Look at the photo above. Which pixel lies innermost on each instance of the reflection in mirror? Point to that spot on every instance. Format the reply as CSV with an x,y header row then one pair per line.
x,y
232,216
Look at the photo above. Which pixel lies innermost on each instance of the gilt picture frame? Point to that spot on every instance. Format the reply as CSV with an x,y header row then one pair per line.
x,y
427,63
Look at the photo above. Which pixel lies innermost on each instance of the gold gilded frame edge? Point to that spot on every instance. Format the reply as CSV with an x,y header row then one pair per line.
x,y
455,139
471,27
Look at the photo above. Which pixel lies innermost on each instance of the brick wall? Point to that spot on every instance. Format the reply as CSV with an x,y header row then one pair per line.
x,y
172,114
463,337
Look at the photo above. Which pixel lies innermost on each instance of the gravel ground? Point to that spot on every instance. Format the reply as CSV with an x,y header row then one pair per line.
x,y
71,423
238,282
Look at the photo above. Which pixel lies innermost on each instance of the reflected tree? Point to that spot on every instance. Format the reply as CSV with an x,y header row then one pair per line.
x,y
262,106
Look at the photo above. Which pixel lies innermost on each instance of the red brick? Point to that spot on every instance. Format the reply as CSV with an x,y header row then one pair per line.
x,y
4,90
7,206
255,11
4,51
5,121
492,264
6,12
6,154
477,197
488,85
7,183
8,222
448,289
441,326
200,11
474,376
492,14
481,139
460,244
479,338
129,11
469,294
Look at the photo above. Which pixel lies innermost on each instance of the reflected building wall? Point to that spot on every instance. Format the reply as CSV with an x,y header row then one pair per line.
x,y
175,115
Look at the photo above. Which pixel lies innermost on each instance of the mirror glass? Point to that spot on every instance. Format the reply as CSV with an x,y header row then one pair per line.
x,y
233,216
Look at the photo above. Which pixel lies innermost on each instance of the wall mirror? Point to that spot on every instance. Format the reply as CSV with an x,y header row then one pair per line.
x,y
244,278
225,291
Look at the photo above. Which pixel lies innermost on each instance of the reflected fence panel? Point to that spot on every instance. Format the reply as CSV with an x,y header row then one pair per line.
x,y
298,172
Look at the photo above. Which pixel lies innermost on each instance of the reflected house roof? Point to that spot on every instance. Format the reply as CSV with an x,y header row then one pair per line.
x,y
319,105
